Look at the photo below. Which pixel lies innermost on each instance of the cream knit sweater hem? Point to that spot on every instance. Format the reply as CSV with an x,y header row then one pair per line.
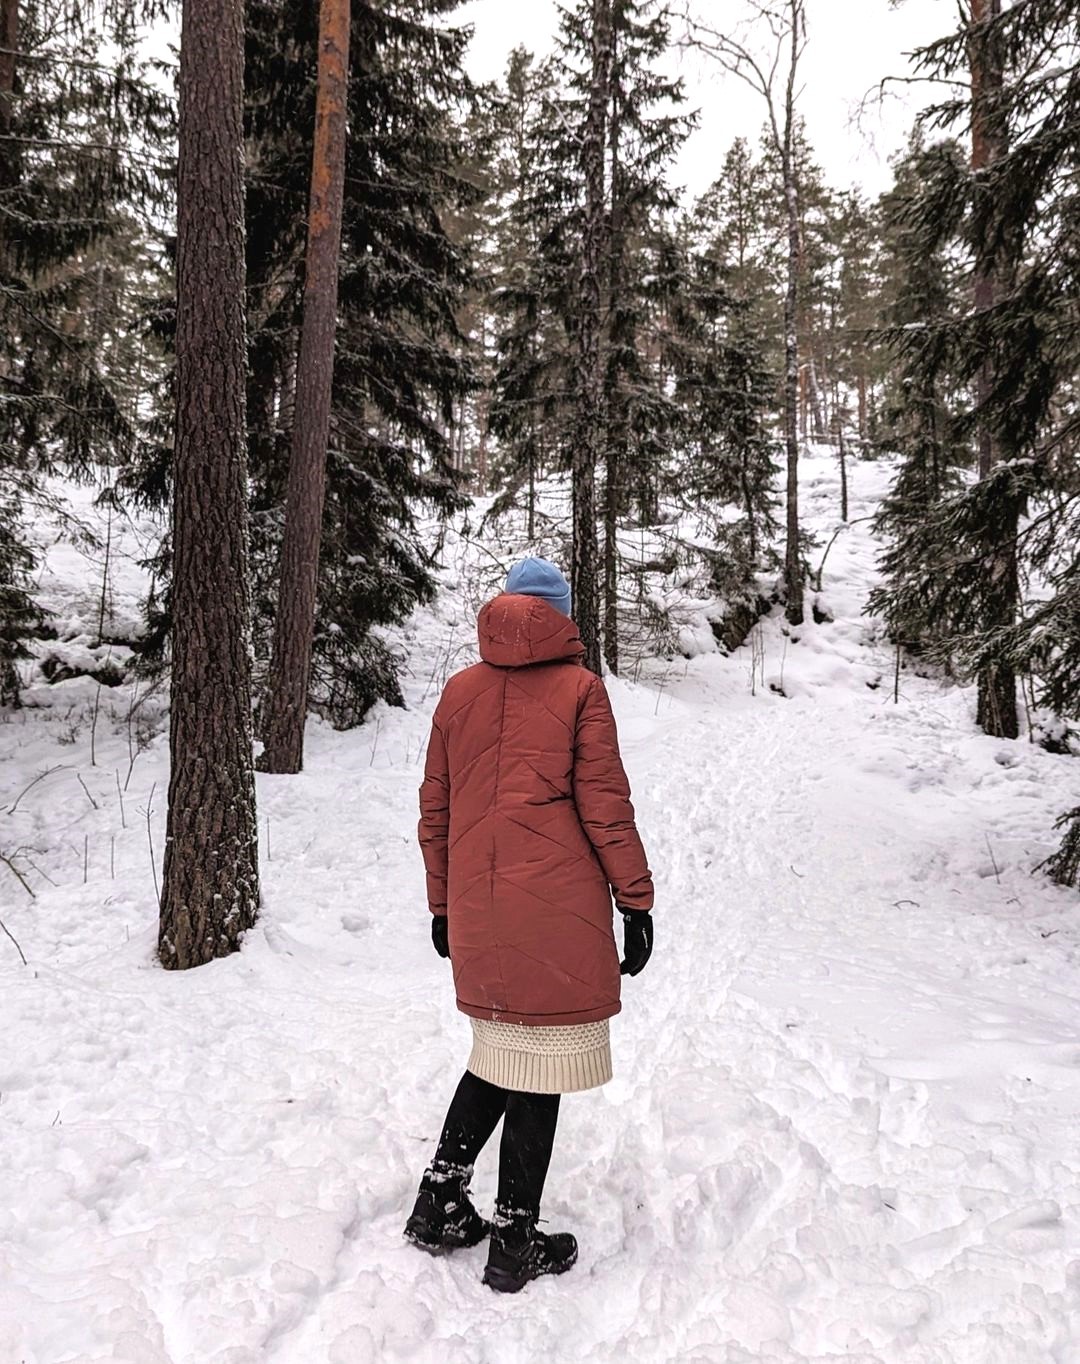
x,y
541,1060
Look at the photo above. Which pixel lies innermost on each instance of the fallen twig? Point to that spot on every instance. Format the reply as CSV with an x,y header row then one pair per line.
x,y
30,785
18,875
150,840
993,859
10,935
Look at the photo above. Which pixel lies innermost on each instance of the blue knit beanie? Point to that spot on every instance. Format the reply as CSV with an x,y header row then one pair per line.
x,y
539,578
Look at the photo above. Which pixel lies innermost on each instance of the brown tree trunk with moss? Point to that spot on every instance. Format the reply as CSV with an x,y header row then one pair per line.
x,y
793,572
294,627
9,45
996,710
10,163
210,888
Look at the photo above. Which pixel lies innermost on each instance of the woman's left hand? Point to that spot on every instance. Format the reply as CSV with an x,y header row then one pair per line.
x,y
637,940
440,934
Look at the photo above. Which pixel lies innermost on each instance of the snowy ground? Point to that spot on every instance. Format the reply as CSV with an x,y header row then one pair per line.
x,y
844,1123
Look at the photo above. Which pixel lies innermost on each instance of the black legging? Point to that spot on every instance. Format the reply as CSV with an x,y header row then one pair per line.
x,y
527,1139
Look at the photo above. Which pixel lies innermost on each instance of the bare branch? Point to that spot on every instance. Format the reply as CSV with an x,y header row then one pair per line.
x,y
40,777
8,930
10,864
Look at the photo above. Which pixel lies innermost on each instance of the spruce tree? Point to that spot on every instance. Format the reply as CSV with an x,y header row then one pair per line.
x,y
924,402
400,367
401,364
773,75
1015,348
726,393
568,243
531,359
84,179
645,132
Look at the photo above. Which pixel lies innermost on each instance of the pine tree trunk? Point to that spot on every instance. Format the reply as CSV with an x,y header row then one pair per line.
x,y
9,43
751,516
531,523
817,402
996,709
793,576
210,891
862,408
986,80
295,624
611,559
804,406
615,406
589,445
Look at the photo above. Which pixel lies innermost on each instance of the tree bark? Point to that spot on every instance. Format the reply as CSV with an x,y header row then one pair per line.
x,y
9,44
210,890
294,627
817,403
589,446
615,438
611,558
996,709
793,575
751,515
986,77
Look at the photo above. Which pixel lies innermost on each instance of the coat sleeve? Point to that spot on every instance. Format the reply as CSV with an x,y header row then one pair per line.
x,y
434,824
602,797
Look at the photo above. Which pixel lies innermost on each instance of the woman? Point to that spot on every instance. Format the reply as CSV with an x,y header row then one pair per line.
x,y
527,829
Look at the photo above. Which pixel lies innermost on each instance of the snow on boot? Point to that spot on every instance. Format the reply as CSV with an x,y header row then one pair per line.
x,y
443,1217
518,1252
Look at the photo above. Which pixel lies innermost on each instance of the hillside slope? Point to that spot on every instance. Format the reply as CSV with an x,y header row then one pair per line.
x,y
843,1124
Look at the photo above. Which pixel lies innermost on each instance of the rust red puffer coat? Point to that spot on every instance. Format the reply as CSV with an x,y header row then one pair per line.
x,y
526,824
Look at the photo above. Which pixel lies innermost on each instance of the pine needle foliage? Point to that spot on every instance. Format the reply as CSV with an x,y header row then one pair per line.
x,y
85,170
1016,219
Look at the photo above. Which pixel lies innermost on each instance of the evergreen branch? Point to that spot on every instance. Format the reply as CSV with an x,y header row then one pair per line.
x,y
114,149
57,59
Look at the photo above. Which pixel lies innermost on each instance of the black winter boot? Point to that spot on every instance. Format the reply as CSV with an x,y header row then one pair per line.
x,y
443,1217
518,1252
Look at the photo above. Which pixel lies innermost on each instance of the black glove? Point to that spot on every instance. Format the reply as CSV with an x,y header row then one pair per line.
x,y
637,940
440,934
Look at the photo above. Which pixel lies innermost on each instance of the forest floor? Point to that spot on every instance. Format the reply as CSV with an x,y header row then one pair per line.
x,y
844,1120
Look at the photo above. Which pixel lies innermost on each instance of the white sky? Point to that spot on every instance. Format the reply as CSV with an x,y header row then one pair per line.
x,y
852,44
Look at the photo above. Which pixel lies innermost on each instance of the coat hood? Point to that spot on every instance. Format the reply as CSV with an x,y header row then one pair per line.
x,y
516,630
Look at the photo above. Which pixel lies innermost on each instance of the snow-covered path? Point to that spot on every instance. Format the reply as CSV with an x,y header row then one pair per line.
x,y
844,1121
